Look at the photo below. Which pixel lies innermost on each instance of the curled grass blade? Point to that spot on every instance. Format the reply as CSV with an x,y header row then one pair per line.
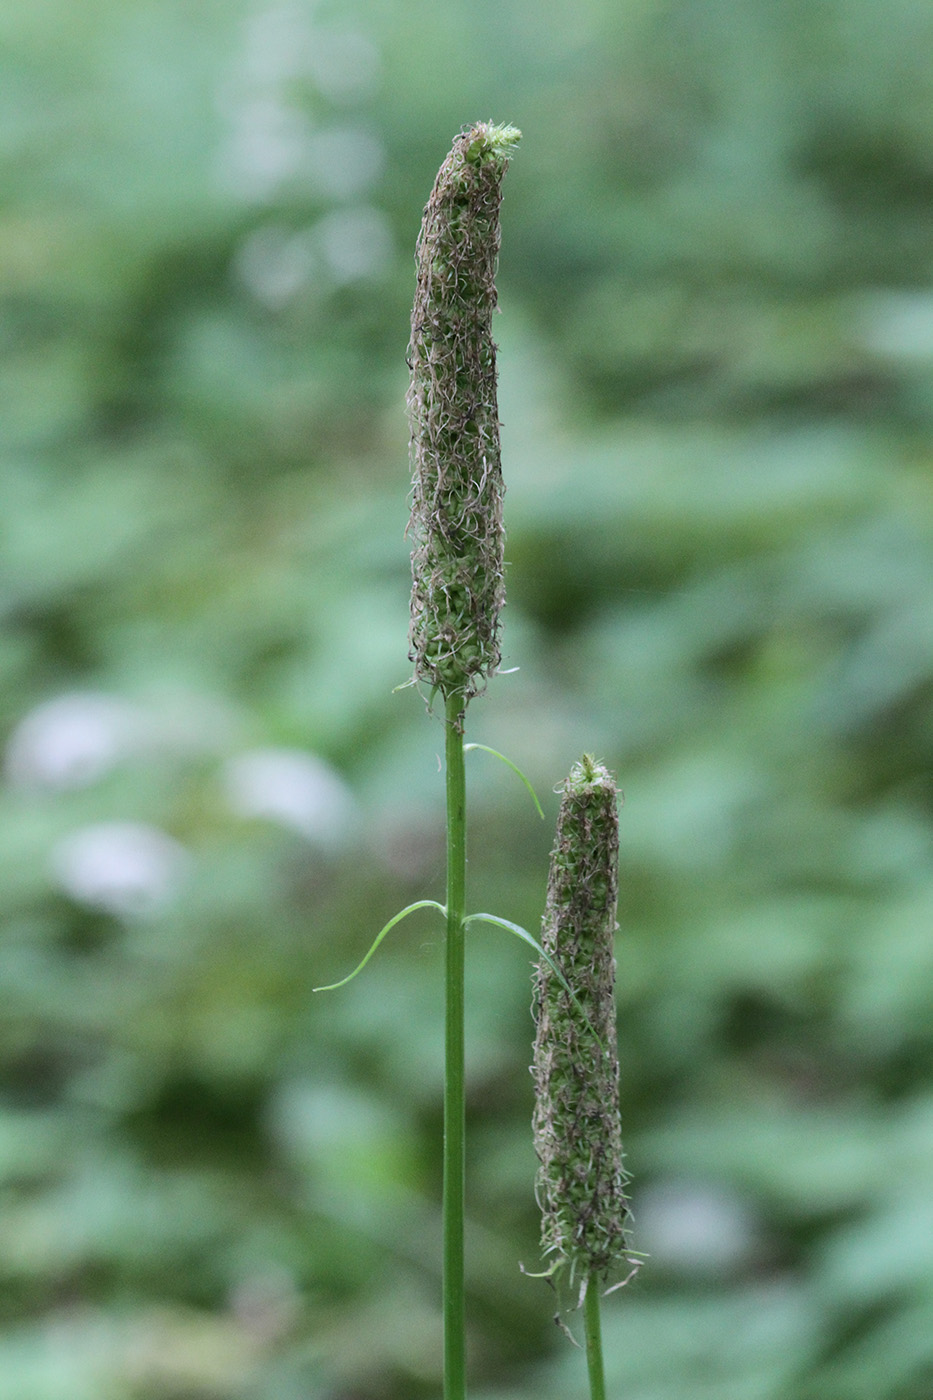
x,y
515,769
532,942
421,904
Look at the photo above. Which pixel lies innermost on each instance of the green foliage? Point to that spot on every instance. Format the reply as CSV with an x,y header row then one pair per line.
x,y
717,398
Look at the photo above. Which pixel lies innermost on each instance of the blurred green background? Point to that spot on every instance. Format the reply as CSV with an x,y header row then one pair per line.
x,y
716,383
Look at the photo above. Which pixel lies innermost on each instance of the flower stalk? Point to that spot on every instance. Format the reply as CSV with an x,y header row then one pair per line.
x,y
454,1066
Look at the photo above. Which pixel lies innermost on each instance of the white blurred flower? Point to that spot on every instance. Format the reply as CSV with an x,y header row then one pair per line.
x,y
71,741
293,788
267,145
344,160
266,1303
355,243
343,63
899,324
126,868
694,1227
271,141
282,42
275,45
275,263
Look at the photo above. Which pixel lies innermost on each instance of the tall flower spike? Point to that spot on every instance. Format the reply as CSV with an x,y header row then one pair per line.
x,y
456,518
581,1181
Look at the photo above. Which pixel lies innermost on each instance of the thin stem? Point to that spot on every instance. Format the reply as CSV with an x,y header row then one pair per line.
x,y
454,1111
594,1341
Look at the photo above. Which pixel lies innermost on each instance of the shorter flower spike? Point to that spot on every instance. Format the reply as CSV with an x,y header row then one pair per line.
x,y
581,1181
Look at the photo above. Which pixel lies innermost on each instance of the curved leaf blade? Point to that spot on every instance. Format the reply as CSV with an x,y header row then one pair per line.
x,y
515,769
532,942
420,904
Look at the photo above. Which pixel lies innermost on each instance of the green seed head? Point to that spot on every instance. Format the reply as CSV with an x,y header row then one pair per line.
x,y
581,1181
456,518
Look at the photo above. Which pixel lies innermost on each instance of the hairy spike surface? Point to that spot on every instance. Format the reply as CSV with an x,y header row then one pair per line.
x,y
456,517
581,1181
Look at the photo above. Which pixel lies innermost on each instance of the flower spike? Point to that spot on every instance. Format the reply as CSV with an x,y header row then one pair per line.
x,y
456,517
581,1180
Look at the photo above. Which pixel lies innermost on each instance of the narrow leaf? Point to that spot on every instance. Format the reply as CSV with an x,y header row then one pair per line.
x,y
514,767
421,904
532,942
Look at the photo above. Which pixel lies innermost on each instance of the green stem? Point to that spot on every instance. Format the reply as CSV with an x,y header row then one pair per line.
x,y
594,1341
454,1110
